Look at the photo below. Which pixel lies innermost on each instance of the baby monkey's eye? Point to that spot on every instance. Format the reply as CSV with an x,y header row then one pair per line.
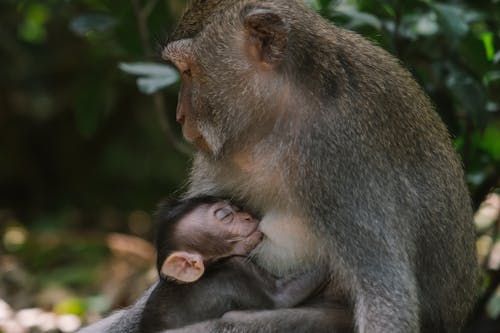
x,y
224,214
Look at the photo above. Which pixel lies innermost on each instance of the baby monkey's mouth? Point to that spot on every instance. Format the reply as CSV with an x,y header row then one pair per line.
x,y
256,234
247,244
253,237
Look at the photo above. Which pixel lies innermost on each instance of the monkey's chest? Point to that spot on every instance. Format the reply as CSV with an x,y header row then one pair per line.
x,y
259,181
288,243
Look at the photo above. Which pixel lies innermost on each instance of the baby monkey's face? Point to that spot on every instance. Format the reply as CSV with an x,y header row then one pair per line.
x,y
225,223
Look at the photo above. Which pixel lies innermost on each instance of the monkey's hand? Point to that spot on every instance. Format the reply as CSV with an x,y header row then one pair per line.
x,y
298,320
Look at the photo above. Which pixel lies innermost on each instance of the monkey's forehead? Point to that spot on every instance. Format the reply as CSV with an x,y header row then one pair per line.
x,y
196,16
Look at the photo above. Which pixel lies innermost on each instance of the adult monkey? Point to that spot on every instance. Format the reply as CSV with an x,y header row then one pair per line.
x,y
338,148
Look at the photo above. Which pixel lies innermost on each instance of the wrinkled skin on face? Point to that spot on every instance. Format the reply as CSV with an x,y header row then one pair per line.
x,y
208,233
215,111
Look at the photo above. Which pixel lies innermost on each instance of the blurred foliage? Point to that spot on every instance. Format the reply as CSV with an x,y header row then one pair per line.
x,y
87,109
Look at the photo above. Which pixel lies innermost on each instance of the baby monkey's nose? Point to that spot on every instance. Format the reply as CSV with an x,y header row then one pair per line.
x,y
246,217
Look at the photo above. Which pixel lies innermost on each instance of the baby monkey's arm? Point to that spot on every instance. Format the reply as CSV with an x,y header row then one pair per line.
x,y
293,290
289,291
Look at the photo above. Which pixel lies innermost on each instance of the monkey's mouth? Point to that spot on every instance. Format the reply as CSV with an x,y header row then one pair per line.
x,y
247,244
254,238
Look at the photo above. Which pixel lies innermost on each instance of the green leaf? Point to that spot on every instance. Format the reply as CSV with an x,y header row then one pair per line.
x,y
389,10
452,19
314,4
469,94
33,28
148,69
153,76
496,58
98,303
493,306
88,23
491,141
319,5
152,84
358,18
414,25
426,25
491,77
489,46
74,306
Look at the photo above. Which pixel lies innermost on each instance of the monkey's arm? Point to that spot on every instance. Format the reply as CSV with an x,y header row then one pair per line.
x,y
298,320
292,291
286,292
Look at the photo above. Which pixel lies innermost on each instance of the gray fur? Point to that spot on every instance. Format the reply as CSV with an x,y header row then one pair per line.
x,y
340,138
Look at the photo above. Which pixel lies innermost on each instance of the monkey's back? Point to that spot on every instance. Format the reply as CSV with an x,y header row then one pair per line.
x,y
390,173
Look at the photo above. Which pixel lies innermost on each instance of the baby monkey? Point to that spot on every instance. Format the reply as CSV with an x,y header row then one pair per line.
x,y
194,233
203,244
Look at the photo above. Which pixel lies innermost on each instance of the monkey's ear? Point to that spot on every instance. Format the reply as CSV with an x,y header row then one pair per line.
x,y
267,35
183,266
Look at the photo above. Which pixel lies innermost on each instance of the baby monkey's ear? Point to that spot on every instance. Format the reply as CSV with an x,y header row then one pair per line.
x,y
183,266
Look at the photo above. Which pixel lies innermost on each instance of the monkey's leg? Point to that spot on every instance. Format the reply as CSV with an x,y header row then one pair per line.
x,y
297,320
385,293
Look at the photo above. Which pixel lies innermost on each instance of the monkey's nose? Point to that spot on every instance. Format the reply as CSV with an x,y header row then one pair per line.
x,y
180,119
247,217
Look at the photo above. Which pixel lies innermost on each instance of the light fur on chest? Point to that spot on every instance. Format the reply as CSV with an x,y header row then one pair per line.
x,y
288,245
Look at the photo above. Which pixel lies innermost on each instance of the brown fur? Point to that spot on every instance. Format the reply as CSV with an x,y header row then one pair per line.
x,y
333,142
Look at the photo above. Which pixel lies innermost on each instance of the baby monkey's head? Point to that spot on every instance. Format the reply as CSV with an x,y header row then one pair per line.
x,y
195,232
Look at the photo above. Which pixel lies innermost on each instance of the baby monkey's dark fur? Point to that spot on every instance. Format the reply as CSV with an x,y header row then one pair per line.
x,y
233,283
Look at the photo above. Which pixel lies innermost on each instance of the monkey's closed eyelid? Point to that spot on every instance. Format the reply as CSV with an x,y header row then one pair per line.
x,y
223,213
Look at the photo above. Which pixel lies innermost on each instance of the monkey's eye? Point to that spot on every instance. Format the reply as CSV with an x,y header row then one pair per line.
x,y
224,214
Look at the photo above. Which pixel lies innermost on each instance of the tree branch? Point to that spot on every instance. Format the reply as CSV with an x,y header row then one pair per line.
x,y
142,14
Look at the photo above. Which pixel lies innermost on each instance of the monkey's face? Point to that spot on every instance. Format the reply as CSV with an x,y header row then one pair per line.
x,y
180,54
228,230
231,82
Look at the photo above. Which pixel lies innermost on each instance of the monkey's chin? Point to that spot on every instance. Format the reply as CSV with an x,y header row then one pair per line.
x,y
248,244
275,259
201,144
